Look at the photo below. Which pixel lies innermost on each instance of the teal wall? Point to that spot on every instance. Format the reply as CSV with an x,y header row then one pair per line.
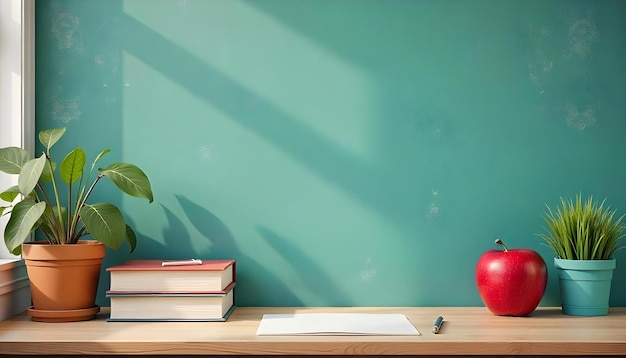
x,y
346,152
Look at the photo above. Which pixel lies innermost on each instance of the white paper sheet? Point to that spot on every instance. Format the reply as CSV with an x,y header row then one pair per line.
x,y
336,324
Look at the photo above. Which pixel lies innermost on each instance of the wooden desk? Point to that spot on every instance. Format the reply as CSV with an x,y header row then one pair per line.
x,y
466,331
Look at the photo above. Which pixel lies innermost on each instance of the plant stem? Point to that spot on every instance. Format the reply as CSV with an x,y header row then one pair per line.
x,y
82,203
51,239
58,201
69,210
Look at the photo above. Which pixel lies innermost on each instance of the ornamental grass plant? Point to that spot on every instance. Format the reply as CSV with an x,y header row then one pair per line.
x,y
580,230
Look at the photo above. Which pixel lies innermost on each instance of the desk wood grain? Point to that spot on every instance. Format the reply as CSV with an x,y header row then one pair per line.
x,y
466,331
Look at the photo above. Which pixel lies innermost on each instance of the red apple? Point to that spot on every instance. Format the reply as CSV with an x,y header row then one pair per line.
x,y
511,282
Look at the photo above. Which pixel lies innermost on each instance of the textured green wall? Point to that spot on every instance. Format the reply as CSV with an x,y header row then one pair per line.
x,y
346,152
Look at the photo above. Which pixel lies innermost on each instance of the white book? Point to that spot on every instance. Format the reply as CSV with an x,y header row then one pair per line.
x,y
171,306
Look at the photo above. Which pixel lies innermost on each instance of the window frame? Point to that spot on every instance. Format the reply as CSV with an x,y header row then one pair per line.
x,y
18,109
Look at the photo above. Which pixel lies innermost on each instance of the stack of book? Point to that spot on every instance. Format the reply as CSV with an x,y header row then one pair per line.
x,y
156,290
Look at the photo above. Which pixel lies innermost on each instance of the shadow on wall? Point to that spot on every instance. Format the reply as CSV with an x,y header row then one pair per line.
x,y
323,156
255,282
438,167
394,197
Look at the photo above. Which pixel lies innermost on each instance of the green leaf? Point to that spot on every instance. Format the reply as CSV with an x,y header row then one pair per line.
x,y
30,174
131,238
102,154
24,216
10,194
105,223
12,159
129,179
48,172
72,166
49,137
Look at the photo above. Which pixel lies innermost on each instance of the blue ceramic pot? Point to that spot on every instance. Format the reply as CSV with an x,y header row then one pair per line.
x,y
585,286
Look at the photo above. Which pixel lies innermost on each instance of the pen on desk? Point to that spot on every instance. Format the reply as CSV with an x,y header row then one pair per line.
x,y
181,262
437,324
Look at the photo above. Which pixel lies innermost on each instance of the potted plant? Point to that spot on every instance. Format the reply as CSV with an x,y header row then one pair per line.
x,y
65,220
584,237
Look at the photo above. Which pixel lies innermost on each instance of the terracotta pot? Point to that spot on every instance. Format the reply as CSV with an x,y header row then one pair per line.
x,y
64,278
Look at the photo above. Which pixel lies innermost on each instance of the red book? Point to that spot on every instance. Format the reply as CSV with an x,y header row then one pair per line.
x,y
145,276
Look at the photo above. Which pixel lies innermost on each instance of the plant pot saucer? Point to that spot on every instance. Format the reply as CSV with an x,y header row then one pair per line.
x,y
63,315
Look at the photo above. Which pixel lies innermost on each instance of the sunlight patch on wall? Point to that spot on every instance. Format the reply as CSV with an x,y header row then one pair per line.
x,y
323,92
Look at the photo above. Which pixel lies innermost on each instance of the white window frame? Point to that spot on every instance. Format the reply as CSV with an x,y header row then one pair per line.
x,y
17,123
17,94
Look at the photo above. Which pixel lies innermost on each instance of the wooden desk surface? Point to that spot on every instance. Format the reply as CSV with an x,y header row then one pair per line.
x,y
466,331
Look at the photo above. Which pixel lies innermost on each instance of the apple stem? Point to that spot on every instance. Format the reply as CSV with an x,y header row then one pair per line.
x,y
499,242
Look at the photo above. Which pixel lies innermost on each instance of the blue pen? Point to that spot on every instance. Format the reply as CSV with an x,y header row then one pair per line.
x,y
437,325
